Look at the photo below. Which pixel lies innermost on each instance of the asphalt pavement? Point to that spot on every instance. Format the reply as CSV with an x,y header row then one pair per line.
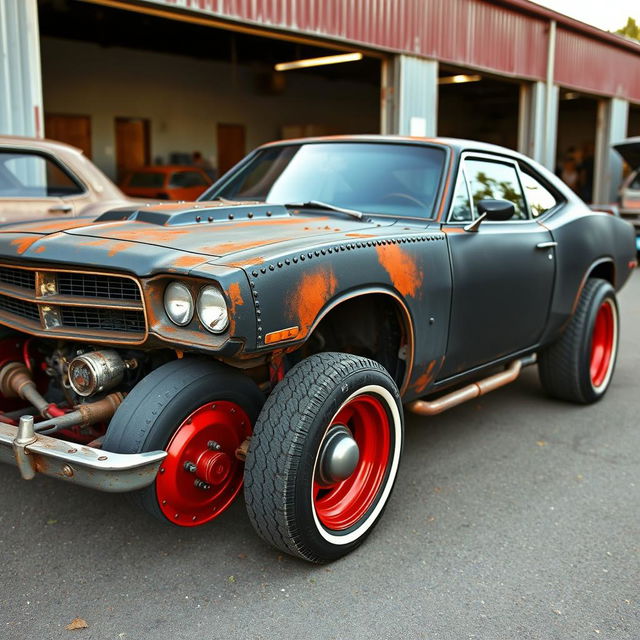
x,y
514,517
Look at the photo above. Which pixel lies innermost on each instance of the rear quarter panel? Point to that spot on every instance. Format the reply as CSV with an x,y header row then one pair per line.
x,y
585,239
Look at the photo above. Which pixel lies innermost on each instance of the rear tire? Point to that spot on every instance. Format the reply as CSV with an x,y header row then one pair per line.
x,y
299,497
578,367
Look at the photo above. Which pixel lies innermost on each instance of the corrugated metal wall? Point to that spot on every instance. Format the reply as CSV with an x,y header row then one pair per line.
x,y
467,32
586,64
476,33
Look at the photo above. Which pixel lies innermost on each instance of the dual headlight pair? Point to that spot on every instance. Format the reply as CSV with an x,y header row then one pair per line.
x,y
210,306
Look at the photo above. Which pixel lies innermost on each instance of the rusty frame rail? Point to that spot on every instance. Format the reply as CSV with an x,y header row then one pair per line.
x,y
35,453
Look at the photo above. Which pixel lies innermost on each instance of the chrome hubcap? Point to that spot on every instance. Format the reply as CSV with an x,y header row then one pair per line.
x,y
339,456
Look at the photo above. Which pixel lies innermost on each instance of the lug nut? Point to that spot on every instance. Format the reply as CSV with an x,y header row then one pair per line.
x,y
190,467
214,446
201,484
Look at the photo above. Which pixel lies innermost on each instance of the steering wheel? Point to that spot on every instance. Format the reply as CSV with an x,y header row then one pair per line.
x,y
404,196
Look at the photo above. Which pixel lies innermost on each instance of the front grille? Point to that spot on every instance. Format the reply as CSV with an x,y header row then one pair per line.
x,y
89,285
18,278
20,308
103,319
72,304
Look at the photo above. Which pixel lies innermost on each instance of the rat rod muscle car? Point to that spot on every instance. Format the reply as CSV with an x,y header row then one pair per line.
x,y
269,334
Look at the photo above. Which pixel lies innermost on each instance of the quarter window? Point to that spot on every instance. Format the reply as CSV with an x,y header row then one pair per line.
x,y
498,181
540,199
461,205
30,175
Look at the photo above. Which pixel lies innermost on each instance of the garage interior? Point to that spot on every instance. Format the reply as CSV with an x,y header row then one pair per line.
x,y
576,142
478,107
131,88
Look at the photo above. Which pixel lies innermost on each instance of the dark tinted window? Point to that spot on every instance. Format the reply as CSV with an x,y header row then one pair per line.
x,y
495,180
183,179
375,178
31,175
635,182
147,179
540,199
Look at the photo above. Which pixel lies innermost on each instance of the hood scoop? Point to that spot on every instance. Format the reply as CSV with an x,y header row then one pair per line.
x,y
171,215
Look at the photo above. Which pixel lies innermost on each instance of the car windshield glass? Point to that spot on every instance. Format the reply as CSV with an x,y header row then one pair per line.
x,y
393,179
152,179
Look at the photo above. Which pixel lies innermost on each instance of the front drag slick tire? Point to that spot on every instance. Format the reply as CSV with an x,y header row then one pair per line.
x,y
199,412
324,456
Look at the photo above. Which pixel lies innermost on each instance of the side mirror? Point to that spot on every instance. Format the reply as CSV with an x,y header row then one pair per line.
x,y
496,209
490,209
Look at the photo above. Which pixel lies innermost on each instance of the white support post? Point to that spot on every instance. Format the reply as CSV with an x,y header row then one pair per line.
x,y
20,75
410,96
613,116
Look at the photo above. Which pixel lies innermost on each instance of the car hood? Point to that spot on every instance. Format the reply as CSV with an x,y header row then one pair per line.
x,y
629,149
178,237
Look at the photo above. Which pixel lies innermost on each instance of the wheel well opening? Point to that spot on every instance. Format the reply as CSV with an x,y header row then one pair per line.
x,y
605,271
371,326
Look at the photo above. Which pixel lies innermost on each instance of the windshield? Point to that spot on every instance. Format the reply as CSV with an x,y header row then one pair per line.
x,y
393,179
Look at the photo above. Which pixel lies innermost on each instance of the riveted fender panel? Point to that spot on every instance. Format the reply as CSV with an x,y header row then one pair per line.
x,y
295,289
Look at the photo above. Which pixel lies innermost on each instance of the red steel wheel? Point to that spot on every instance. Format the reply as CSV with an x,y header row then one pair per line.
x,y
201,475
603,344
339,505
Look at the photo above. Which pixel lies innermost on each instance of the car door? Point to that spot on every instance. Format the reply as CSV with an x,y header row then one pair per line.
x,y
503,273
34,185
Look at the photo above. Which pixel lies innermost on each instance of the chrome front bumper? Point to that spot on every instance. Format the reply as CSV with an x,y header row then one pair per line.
x,y
35,453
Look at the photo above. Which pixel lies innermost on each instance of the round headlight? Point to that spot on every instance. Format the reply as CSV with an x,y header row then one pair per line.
x,y
178,303
212,310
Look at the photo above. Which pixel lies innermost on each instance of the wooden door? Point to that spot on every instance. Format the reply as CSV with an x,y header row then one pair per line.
x,y
74,130
132,144
231,146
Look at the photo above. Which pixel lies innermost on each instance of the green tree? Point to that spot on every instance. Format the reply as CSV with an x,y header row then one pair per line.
x,y
630,30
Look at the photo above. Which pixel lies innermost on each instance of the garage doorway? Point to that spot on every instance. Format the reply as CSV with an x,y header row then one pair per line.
x,y
634,120
477,107
71,129
575,150
132,137
231,146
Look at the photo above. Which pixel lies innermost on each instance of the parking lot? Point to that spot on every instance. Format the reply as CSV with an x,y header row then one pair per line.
x,y
513,517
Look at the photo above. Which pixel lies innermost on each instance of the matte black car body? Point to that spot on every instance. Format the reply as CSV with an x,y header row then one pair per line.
x,y
431,301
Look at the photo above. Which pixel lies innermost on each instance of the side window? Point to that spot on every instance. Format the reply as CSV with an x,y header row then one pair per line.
x,y
31,175
184,179
540,199
495,180
461,205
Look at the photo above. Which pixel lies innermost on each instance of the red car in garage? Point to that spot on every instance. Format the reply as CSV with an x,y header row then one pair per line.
x,y
166,182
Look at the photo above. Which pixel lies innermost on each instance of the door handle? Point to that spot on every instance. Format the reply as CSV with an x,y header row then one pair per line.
x,y
546,245
60,208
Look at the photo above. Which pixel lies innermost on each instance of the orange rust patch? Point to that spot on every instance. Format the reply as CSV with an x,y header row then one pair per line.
x,y
401,267
314,291
359,235
117,247
187,261
422,382
41,249
235,295
37,227
231,247
246,263
23,244
453,229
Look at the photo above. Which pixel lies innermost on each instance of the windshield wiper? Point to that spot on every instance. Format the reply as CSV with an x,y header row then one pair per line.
x,y
316,204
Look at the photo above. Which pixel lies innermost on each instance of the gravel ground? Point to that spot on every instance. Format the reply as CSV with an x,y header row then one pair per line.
x,y
514,516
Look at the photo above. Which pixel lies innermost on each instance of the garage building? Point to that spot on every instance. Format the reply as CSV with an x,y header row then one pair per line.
x,y
151,81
